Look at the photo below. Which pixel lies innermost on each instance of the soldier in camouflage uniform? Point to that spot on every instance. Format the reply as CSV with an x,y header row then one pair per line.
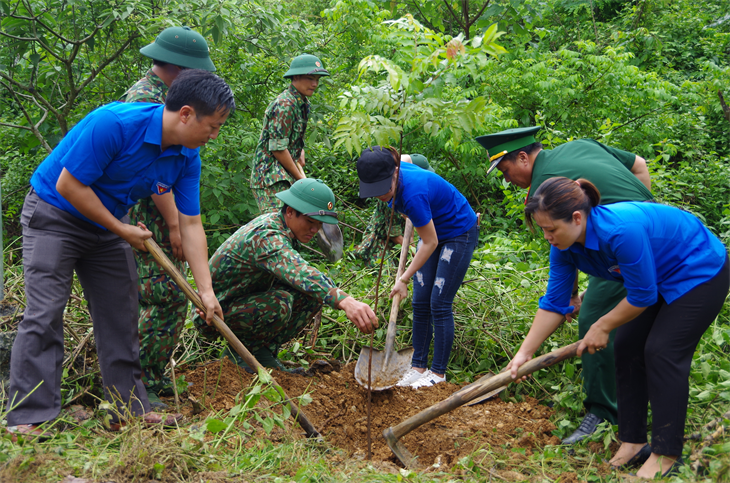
x,y
268,292
279,158
162,306
376,233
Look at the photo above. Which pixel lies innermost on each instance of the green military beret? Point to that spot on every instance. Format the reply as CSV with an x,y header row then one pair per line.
x,y
505,142
422,162
180,46
305,64
311,197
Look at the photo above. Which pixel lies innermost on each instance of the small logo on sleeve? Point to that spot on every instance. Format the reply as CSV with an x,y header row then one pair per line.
x,y
615,270
161,188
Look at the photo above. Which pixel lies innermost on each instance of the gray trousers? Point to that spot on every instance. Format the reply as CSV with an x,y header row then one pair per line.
x,y
55,243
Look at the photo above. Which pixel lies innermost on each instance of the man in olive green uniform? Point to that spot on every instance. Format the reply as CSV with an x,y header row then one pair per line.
x,y
279,159
162,306
619,176
268,292
371,247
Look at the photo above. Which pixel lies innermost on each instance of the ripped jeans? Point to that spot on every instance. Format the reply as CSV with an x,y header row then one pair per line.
x,y
434,287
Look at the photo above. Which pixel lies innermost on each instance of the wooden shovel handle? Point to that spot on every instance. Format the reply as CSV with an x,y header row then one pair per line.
x,y
462,397
390,334
240,349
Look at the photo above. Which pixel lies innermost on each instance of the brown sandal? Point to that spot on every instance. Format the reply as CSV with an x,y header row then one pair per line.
x,y
30,431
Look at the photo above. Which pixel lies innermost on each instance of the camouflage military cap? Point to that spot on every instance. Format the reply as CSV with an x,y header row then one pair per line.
x,y
305,64
311,197
180,46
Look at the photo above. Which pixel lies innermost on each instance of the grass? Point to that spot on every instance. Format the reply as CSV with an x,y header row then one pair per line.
x,y
493,312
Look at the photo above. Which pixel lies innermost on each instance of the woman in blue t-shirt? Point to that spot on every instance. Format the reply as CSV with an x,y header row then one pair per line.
x,y
448,232
676,277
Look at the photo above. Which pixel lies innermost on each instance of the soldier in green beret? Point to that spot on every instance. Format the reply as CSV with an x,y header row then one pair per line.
x,y
619,176
162,306
268,292
279,159
376,233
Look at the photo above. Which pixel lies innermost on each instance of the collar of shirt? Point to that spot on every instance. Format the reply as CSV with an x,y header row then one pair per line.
x,y
591,239
153,135
287,230
302,101
156,81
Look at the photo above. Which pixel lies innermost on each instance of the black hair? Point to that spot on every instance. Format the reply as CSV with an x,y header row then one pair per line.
x,y
297,213
159,63
511,157
202,90
560,197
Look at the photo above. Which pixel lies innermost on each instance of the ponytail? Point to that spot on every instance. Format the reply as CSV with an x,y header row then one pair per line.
x,y
560,197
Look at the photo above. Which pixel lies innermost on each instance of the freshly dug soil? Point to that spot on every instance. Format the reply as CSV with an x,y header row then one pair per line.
x,y
339,412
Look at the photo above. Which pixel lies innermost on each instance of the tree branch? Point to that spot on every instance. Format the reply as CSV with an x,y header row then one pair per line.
x,y
478,15
15,126
453,14
32,126
725,108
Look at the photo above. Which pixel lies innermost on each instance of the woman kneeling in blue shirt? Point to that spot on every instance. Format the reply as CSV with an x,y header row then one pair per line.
x,y
676,274
447,227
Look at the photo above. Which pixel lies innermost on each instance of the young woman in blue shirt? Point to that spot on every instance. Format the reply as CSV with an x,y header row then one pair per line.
x,y
448,232
676,274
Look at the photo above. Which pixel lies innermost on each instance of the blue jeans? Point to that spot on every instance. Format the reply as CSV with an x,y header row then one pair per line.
x,y
434,288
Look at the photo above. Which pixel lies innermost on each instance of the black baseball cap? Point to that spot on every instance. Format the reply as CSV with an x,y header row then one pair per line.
x,y
375,168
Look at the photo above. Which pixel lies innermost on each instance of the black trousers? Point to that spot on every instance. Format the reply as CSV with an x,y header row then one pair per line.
x,y
55,244
653,358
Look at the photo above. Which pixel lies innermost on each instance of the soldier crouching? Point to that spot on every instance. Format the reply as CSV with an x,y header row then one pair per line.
x,y
268,292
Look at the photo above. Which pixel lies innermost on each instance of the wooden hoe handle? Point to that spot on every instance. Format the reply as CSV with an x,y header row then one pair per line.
x,y
240,349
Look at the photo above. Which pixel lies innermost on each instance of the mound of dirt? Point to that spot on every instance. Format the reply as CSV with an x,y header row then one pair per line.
x,y
339,412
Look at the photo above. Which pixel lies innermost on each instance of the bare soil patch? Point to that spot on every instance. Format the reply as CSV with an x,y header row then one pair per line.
x,y
339,412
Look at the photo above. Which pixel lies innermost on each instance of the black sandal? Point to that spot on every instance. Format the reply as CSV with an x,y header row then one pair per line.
x,y
637,460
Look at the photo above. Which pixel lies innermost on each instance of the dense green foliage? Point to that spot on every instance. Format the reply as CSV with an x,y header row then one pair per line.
x,y
642,75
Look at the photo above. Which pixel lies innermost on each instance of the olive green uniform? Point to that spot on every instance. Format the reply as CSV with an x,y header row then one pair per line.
x,y
610,170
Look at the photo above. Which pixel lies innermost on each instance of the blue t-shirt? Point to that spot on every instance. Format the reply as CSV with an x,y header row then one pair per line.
x,y
116,150
651,248
424,196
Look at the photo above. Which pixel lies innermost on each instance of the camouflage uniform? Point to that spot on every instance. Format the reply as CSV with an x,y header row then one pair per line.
x,y
285,123
376,234
268,292
162,306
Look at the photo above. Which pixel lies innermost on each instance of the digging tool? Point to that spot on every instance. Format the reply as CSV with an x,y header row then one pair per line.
x,y
330,241
395,433
240,349
479,381
388,366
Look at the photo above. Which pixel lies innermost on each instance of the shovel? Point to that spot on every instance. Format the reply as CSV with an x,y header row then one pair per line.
x,y
395,433
248,358
329,240
388,366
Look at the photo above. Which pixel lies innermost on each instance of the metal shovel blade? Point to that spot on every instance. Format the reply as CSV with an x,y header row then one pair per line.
x,y
385,371
329,240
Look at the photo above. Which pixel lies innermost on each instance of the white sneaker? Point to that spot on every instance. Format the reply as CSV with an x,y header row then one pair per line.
x,y
427,379
410,377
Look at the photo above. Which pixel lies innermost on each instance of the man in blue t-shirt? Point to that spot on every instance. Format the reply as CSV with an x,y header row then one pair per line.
x,y
74,219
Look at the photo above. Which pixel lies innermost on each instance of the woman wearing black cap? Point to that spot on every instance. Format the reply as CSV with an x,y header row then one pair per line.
x,y
448,232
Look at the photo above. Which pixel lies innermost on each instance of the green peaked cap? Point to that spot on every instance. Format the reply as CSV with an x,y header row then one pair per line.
x,y
180,46
306,64
311,197
505,142
422,162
